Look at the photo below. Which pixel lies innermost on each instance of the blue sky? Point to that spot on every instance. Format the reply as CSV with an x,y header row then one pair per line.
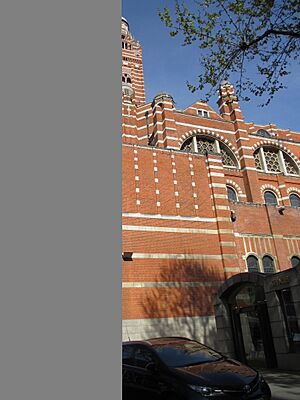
x,y
168,65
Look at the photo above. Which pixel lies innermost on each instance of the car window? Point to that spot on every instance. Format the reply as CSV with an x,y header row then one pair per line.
x,y
142,357
127,355
180,354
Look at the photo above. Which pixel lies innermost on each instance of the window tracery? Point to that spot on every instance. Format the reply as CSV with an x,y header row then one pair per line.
x,y
274,160
204,144
257,160
227,160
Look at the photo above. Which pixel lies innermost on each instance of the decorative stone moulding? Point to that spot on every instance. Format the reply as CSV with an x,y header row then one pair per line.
x,y
235,185
270,187
293,189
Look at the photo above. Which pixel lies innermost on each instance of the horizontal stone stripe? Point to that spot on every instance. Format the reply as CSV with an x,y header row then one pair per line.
x,y
129,126
135,136
214,167
226,231
215,160
129,136
182,256
217,185
249,168
221,208
143,113
170,217
163,120
266,235
127,285
167,229
223,219
218,196
144,127
207,128
168,138
227,244
231,269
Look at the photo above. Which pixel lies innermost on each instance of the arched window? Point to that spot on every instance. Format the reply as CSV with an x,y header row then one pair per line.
x,y
273,160
252,264
126,78
268,263
295,200
270,198
231,194
295,261
206,144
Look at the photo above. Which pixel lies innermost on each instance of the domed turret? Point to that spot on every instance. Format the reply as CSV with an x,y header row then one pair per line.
x,y
162,96
124,26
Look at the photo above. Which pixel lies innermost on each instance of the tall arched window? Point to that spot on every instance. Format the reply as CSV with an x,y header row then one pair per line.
x,y
270,198
268,264
252,264
295,261
231,194
295,200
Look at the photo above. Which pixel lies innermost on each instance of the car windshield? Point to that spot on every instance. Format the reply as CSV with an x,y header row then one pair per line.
x,y
181,354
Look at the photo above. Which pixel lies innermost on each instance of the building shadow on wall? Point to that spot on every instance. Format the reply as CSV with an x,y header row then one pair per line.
x,y
180,301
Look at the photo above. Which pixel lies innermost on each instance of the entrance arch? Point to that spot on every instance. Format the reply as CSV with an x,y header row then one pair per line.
x,y
244,299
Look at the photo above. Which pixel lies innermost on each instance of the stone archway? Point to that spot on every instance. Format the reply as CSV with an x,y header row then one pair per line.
x,y
242,320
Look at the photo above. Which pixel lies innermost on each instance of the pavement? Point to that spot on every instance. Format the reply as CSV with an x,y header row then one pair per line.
x,y
284,385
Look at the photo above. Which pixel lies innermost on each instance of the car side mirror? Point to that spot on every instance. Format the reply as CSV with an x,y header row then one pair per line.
x,y
152,367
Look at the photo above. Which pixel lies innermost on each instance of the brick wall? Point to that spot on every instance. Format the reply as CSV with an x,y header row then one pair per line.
x,y
177,219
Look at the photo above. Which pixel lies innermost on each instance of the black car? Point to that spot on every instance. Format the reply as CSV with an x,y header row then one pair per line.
x,y
174,368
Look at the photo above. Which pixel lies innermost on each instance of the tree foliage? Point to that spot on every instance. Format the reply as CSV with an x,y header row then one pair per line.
x,y
232,34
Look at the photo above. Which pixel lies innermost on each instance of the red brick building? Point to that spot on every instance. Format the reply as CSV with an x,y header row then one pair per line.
x,y
206,196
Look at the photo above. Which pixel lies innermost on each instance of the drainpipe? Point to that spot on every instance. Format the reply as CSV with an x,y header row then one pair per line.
x,y
271,231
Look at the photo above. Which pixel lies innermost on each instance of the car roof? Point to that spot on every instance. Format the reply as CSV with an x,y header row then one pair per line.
x,y
159,340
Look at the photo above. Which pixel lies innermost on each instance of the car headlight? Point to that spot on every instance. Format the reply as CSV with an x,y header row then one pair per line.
x,y
207,391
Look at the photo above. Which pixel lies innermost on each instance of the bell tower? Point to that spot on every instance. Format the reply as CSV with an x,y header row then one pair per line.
x,y
132,67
